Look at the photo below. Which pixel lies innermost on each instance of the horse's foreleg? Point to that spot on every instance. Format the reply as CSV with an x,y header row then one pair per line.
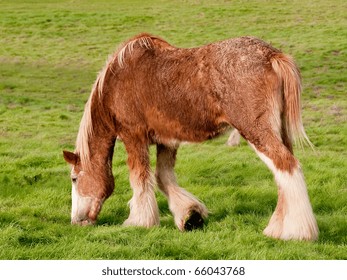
x,y
143,205
187,210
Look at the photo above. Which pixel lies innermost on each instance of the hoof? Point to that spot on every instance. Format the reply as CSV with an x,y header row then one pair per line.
x,y
194,221
87,222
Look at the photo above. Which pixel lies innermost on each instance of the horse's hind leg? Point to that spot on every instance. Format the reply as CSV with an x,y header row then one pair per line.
x,y
143,205
293,217
234,138
188,211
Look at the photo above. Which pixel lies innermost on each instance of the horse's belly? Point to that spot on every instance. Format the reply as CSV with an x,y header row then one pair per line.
x,y
174,131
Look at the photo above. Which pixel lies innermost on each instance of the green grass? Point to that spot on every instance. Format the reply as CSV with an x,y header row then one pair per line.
x,y
49,56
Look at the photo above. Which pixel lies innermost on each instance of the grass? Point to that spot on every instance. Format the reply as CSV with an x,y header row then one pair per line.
x,y
50,54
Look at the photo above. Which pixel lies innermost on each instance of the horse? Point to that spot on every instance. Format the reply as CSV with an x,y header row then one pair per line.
x,y
153,93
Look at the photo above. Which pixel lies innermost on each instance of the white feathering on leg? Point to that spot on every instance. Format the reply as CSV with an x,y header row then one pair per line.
x,y
143,205
293,217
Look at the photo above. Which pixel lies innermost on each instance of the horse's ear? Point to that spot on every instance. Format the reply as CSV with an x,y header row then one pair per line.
x,y
70,157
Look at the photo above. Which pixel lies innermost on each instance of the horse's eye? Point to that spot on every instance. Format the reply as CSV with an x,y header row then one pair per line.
x,y
74,180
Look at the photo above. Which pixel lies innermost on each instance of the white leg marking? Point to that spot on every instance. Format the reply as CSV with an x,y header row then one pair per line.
x,y
293,217
234,138
143,205
181,202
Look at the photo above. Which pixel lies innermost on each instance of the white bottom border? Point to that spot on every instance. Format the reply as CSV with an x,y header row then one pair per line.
x,y
189,269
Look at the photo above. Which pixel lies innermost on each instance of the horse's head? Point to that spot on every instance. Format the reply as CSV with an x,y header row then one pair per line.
x,y
90,187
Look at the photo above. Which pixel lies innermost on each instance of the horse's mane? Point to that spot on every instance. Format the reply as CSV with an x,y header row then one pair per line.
x,y
118,59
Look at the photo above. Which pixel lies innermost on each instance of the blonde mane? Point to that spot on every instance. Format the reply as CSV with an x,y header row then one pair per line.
x,y
86,125
85,131
144,41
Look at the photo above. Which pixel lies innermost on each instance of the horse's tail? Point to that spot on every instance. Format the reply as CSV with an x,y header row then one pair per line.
x,y
290,77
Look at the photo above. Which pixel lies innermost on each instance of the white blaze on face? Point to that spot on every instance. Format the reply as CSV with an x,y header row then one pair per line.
x,y
74,199
80,204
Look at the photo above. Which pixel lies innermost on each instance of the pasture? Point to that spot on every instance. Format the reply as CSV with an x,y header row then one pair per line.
x,y
50,54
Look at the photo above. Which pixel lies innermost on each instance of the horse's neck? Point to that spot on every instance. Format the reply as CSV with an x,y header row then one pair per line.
x,y
102,148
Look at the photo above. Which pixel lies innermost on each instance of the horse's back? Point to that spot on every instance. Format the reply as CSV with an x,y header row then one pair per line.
x,y
184,93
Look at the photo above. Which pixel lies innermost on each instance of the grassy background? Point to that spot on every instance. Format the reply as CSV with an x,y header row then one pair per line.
x,y
49,56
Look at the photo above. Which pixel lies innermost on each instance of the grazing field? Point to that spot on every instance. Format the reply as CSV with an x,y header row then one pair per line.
x,y
49,56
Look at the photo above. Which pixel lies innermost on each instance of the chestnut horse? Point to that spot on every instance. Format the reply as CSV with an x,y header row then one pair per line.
x,y
151,92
